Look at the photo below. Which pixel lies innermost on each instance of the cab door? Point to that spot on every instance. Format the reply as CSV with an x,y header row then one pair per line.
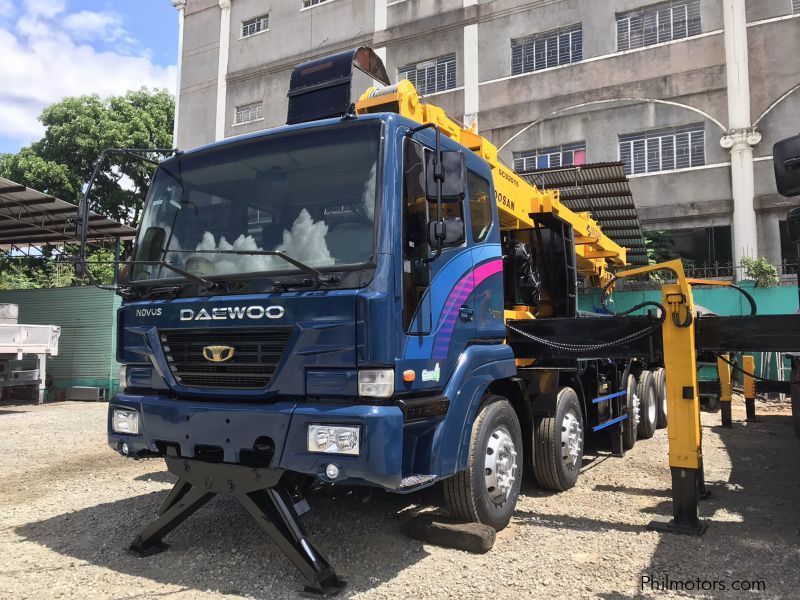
x,y
438,293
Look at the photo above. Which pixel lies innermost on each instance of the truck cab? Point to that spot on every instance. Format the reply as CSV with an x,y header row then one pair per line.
x,y
364,358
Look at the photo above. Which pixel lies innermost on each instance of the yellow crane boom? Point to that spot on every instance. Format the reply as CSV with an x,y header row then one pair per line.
x,y
516,199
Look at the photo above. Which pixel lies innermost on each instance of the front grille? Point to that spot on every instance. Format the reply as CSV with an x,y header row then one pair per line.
x,y
256,356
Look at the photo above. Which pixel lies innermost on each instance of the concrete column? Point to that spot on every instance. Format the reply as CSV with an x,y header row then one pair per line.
x,y
222,66
381,15
471,79
741,136
179,5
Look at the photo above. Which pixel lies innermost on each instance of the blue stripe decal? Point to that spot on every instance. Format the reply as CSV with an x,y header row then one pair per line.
x,y
609,397
610,423
439,290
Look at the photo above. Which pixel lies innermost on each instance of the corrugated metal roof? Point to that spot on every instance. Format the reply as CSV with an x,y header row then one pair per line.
x,y
601,189
28,216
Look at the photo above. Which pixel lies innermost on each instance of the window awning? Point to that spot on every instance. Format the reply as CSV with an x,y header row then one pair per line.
x,y
601,189
29,217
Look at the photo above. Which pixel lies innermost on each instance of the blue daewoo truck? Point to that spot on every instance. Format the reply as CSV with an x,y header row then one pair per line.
x,y
342,300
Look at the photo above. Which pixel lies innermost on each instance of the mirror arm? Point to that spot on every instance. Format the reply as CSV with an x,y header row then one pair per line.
x,y
83,206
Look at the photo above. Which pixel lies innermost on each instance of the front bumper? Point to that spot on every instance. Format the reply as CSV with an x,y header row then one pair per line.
x,y
229,429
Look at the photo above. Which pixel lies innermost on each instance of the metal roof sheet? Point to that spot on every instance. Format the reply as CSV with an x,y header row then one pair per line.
x,y
28,216
601,189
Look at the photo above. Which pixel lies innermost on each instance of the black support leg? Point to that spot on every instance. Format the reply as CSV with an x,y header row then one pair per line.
x,y
685,486
181,502
273,509
727,418
260,491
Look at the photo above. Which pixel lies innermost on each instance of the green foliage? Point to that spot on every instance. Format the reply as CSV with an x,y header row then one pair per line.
x,y
660,247
761,270
77,130
51,269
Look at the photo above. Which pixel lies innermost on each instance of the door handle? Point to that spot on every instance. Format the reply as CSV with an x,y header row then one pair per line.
x,y
465,313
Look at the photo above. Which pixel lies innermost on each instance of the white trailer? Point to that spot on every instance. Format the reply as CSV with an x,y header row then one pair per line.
x,y
16,341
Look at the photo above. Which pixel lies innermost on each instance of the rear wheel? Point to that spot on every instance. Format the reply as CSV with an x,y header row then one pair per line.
x,y
646,390
559,444
487,491
660,378
631,424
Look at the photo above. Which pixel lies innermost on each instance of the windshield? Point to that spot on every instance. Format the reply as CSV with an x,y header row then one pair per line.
x,y
309,195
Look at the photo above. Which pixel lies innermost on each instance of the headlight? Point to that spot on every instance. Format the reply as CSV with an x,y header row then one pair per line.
x,y
125,421
333,439
376,383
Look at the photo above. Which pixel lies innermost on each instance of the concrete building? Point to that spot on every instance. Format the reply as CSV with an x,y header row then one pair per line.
x,y
690,94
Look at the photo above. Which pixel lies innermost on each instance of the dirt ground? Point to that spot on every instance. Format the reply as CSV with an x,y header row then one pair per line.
x,y
69,506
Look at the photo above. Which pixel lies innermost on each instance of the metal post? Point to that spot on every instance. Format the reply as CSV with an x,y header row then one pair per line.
x,y
725,390
749,367
683,408
41,364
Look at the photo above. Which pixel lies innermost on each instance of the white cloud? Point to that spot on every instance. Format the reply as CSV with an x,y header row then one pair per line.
x,y
46,59
88,25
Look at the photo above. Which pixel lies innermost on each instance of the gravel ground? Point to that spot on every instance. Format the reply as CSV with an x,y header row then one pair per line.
x,y
69,506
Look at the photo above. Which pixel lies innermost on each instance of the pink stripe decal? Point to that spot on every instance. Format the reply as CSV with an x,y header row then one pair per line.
x,y
458,296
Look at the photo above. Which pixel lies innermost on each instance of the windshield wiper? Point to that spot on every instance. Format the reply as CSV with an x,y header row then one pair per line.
x,y
204,283
318,277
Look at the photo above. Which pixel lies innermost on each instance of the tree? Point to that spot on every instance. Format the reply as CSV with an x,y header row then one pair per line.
x,y
77,129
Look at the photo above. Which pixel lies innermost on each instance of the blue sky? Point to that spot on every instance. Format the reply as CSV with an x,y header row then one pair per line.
x,y
56,48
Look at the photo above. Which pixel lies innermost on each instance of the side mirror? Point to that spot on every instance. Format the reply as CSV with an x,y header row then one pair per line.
x,y
453,172
786,157
451,231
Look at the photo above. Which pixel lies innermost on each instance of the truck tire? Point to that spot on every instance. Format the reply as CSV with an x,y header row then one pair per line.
x,y
660,377
558,442
487,491
648,411
631,424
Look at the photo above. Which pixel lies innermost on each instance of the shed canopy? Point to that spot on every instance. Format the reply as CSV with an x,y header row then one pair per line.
x,y
601,189
29,217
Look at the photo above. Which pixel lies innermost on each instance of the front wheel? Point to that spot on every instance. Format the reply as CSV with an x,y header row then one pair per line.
x,y
487,491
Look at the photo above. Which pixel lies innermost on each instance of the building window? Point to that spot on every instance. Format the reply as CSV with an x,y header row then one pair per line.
x,y
550,158
249,113
430,76
545,50
659,23
254,26
663,150
310,3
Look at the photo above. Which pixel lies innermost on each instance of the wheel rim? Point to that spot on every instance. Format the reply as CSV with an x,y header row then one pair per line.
x,y
571,440
664,400
500,465
637,409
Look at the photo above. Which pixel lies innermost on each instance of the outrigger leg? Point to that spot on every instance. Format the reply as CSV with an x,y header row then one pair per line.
x,y
272,506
